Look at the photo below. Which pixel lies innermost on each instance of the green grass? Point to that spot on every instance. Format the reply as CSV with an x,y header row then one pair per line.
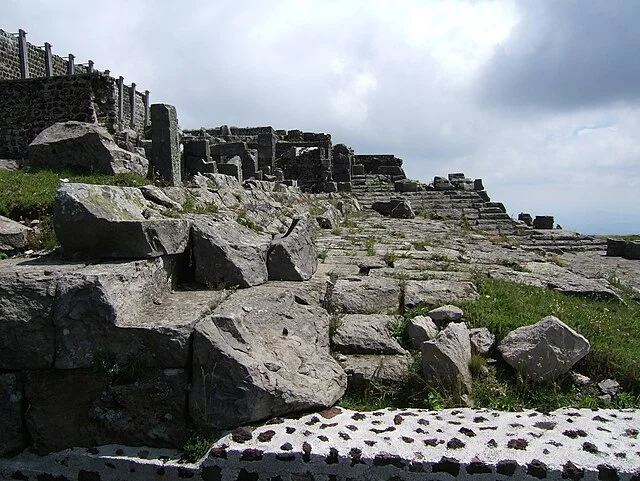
x,y
369,244
611,327
30,194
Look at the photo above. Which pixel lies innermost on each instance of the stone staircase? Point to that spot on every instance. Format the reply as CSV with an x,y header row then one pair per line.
x,y
456,205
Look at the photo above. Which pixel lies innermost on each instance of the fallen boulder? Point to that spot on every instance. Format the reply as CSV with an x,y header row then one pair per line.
x,y
482,341
83,145
106,221
262,354
445,360
544,350
446,314
228,254
396,207
293,257
421,329
13,235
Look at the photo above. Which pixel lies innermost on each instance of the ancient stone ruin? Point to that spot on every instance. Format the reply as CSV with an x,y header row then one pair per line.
x,y
260,277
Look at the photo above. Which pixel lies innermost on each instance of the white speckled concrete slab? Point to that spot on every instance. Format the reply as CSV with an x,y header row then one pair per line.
x,y
388,444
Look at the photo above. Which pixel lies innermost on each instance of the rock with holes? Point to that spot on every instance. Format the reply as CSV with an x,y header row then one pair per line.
x,y
421,329
545,350
445,360
83,145
365,295
482,340
13,235
107,221
293,257
365,334
227,254
262,354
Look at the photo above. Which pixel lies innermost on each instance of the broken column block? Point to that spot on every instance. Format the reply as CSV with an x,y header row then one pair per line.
x,y
165,147
543,222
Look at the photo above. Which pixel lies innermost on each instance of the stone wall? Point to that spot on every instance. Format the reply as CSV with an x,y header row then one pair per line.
x,y
29,106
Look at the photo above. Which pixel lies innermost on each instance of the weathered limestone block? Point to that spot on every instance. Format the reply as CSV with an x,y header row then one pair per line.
x,y
330,218
12,433
446,314
262,354
437,292
421,329
27,293
106,221
482,340
365,334
371,371
106,405
228,254
526,218
105,309
83,145
165,149
13,235
366,295
397,208
545,350
445,360
293,257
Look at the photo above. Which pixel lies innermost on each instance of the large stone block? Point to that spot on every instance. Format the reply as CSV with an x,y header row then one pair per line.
x,y
436,292
293,257
118,309
365,295
262,354
545,350
83,145
445,360
165,150
365,334
228,254
106,221
543,222
13,235
27,294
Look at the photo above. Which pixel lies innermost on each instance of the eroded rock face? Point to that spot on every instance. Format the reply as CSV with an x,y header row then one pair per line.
x,y
293,257
228,254
365,334
84,145
106,221
445,360
262,354
545,350
13,235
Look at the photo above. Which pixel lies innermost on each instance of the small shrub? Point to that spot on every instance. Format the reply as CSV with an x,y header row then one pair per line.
x,y
336,231
390,258
195,447
3,256
440,258
476,365
369,244
322,254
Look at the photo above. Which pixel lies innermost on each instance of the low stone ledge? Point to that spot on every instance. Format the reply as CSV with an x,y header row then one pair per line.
x,y
337,444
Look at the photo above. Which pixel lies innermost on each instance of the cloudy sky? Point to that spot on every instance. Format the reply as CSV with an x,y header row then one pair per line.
x,y
540,98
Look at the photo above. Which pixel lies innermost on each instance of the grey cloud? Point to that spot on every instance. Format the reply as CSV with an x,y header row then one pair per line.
x,y
567,54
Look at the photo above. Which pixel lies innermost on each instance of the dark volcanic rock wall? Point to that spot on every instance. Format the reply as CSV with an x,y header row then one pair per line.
x,y
29,106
